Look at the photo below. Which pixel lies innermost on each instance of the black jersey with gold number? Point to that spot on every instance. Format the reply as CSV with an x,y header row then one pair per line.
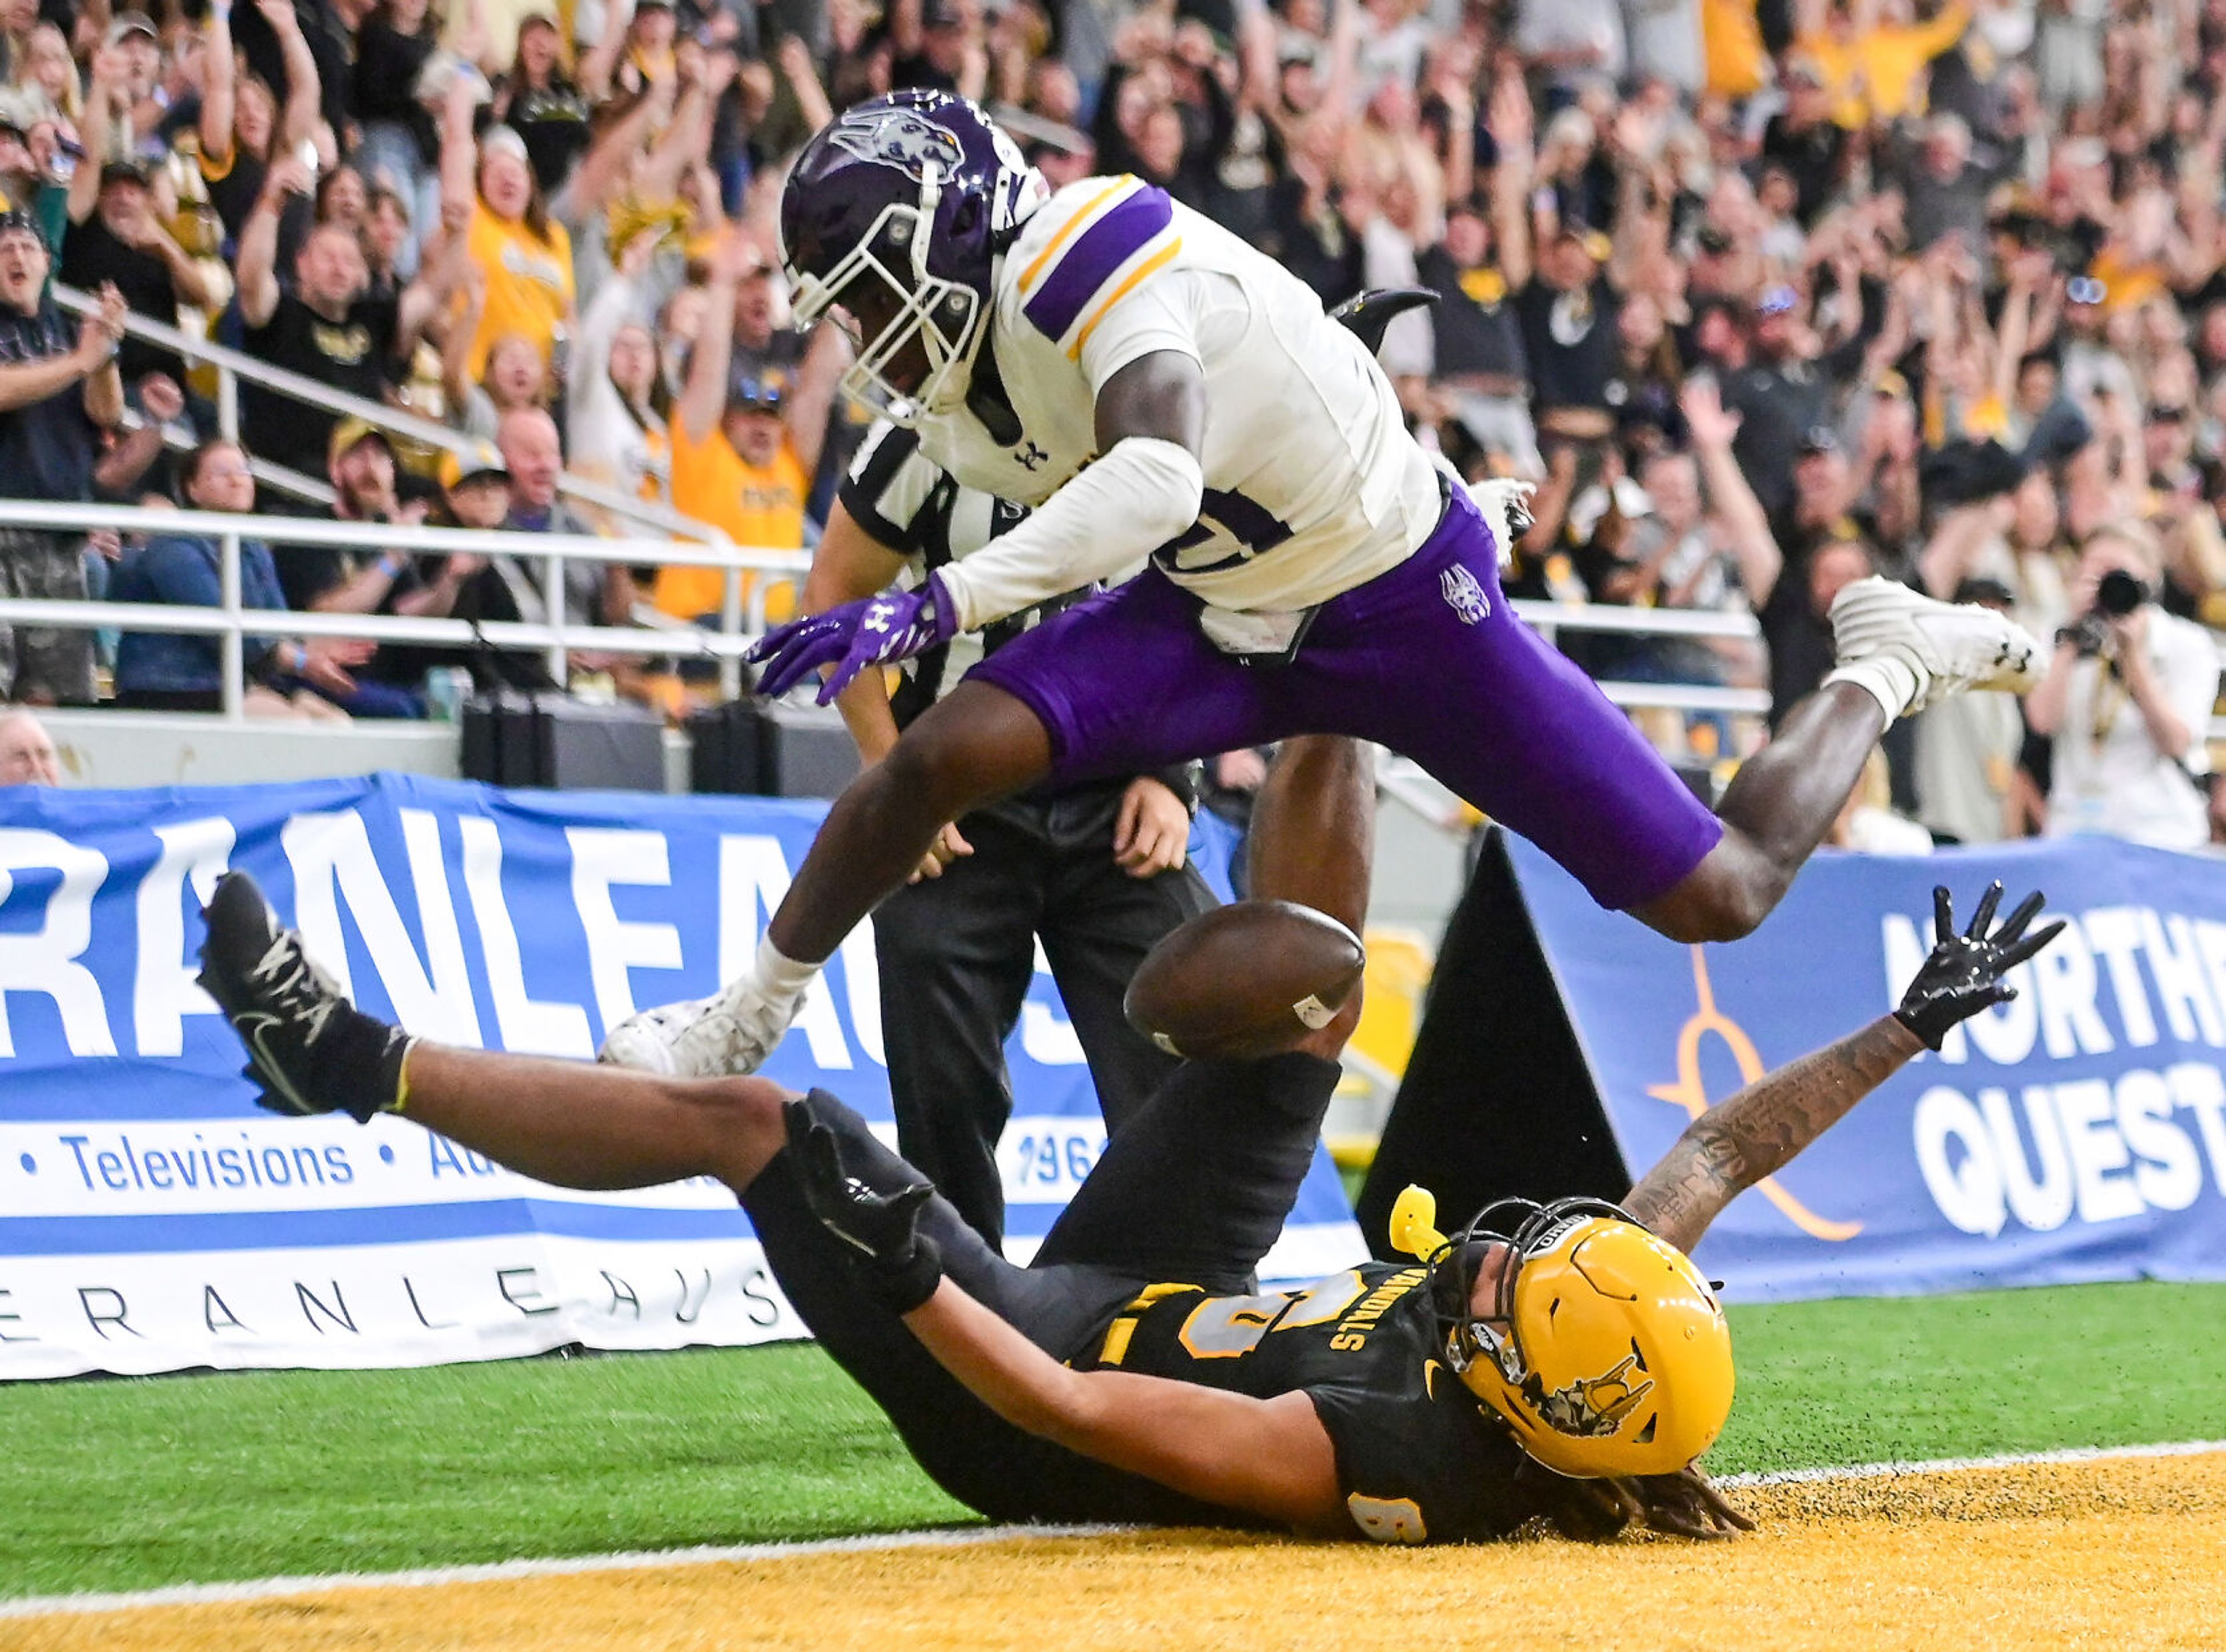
x,y
1419,1457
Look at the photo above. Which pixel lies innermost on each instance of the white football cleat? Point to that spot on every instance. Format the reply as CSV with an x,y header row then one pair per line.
x,y
731,1032
1945,647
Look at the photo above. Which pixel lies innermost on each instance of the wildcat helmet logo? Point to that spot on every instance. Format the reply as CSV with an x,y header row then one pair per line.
x,y
898,138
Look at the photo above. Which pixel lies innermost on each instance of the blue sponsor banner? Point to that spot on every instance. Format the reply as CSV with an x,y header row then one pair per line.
x,y
2076,1134
151,1216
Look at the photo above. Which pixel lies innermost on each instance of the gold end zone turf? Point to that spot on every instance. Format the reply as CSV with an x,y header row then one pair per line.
x,y
2117,1552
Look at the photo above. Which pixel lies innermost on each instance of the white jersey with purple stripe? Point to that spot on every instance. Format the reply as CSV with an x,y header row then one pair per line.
x,y
1312,486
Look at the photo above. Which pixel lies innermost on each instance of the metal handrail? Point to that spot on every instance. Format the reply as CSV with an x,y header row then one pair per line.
x,y
231,365
508,635
1687,696
231,621
1549,616
394,536
182,438
672,638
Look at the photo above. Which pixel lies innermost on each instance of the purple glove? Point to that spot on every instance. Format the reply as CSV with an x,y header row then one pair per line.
x,y
874,630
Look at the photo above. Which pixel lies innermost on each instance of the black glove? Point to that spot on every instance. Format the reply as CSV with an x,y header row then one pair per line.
x,y
1964,974
881,1226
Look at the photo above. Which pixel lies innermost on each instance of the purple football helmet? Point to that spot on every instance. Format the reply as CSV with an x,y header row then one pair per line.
x,y
897,212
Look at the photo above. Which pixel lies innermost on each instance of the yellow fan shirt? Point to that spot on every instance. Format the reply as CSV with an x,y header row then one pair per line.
x,y
529,280
759,505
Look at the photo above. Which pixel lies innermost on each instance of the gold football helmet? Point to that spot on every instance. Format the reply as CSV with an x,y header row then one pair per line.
x,y
1605,1351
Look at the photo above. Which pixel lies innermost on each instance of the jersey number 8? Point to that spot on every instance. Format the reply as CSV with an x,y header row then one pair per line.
x,y
1223,1327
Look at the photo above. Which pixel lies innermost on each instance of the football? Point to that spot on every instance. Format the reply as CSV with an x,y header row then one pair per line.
x,y
1245,980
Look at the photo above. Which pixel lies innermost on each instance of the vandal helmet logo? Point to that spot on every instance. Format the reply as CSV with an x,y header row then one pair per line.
x,y
1593,1406
897,138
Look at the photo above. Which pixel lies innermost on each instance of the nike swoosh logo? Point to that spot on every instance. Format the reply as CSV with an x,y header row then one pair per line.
x,y
251,1027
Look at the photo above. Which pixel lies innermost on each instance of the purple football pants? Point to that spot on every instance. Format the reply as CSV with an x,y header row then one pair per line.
x,y
1426,659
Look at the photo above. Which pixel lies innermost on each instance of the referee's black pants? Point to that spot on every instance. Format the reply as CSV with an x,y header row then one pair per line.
x,y
957,954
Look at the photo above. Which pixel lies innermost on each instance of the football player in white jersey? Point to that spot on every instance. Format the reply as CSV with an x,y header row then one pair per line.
x,y
1155,387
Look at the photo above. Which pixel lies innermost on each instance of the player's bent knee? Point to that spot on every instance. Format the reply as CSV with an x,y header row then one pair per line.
x,y
1733,921
1724,899
742,1124
1689,918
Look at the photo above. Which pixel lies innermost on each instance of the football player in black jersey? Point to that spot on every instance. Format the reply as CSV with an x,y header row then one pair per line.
x,y
1569,1363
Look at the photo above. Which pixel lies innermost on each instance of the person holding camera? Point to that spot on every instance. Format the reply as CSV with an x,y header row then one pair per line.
x,y
2128,699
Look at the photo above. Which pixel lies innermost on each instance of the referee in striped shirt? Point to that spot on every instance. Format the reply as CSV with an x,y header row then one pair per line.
x,y
1097,872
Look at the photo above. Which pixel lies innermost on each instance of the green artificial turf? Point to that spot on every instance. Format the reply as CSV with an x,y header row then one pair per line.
x,y
126,1484
1914,1377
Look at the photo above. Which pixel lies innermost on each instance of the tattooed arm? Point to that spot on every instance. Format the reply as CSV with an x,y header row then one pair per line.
x,y
1729,1148
1732,1147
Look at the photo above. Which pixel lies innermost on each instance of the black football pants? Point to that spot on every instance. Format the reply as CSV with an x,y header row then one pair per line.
x,y
1194,1191
956,955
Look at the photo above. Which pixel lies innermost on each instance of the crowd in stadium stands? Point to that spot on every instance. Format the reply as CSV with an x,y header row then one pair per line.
x,y
1764,294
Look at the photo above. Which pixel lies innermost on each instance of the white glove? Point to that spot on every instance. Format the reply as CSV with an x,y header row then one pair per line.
x,y
1506,504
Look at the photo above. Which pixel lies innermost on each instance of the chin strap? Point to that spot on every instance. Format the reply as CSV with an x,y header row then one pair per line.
x,y
923,230
1413,1228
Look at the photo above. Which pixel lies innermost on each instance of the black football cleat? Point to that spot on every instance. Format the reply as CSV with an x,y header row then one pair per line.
x,y
308,1049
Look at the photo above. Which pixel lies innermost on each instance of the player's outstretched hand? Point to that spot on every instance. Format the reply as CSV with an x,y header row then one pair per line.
x,y
1964,973
1687,1505
789,653
882,1224
873,630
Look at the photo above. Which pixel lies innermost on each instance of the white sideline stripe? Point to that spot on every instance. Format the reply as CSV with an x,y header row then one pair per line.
x,y
195,1594
1954,1465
